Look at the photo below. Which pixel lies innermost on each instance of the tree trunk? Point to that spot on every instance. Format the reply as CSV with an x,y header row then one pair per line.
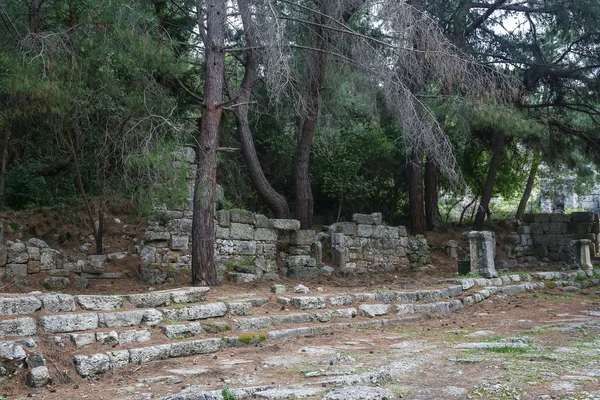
x,y
3,166
433,218
35,17
275,201
415,192
203,235
304,200
498,143
535,163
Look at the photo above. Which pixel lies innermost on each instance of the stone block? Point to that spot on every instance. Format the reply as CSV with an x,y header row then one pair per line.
x,y
223,218
182,330
149,354
241,217
240,277
99,303
278,289
253,324
580,227
190,295
342,300
38,377
241,308
582,217
67,323
55,303
80,282
368,219
56,283
33,267
153,276
154,299
17,327
286,319
134,336
148,255
120,319
93,267
19,305
308,302
118,359
267,235
222,233
17,254
347,228
153,236
536,217
16,270
261,221
364,231
302,267
284,224
374,310
185,349
179,243
82,339
108,338
34,253
482,245
191,313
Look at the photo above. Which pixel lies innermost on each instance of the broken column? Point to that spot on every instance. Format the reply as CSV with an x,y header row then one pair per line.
x,y
580,254
482,253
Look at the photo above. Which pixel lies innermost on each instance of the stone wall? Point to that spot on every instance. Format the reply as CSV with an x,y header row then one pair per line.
x,y
365,244
251,246
547,237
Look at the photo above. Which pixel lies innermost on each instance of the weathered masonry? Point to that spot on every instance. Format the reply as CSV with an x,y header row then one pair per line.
x,y
251,246
548,237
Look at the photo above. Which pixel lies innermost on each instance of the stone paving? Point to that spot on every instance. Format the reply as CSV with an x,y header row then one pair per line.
x,y
109,333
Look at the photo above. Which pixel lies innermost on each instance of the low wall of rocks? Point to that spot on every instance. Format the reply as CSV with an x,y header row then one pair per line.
x,y
18,260
365,244
251,246
547,237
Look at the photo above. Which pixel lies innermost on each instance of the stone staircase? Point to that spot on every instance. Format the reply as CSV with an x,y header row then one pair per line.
x,y
107,332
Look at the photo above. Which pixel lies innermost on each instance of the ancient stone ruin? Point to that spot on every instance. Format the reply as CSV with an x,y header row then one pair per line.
x,y
250,246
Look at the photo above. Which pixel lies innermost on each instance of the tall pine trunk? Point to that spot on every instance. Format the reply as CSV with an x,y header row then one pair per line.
x,y
275,201
498,142
304,199
203,235
535,163
415,192
4,167
433,218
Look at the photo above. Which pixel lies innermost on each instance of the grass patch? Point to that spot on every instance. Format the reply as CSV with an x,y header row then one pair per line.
x,y
252,338
509,350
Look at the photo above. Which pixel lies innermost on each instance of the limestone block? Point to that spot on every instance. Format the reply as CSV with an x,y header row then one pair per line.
x,y
252,324
191,313
93,267
582,217
56,283
190,295
536,217
240,308
223,218
153,236
17,327
19,305
182,330
99,303
67,323
16,270
17,253
148,354
33,253
153,299
364,231
179,242
374,310
134,336
261,221
55,303
308,302
342,300
242,217
482,253
120,319
284,224
240,277
244,247
347,228
38,377
367,219
265,234
82,339
153,276
108,338
185,349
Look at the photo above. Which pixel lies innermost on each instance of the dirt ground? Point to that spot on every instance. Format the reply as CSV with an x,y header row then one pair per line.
x,y
560,358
